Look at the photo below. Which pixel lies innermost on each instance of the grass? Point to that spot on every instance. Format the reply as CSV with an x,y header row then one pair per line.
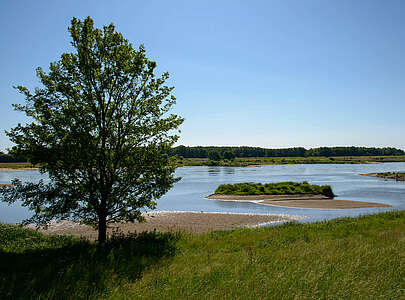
x,y
279,188
243,162
249,161
16,165
349,258
34,266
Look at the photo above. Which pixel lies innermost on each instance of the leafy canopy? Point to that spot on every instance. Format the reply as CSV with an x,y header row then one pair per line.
x,y
101,129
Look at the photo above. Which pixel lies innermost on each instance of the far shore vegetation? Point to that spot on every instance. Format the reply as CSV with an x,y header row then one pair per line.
x,y
254,156
255,161
347,258
279,188
260,161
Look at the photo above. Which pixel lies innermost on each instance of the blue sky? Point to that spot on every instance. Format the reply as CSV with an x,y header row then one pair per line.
x,y
258,73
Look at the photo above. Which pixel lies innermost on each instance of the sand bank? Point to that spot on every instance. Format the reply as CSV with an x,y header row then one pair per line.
x,y
266,197
298,201
194,222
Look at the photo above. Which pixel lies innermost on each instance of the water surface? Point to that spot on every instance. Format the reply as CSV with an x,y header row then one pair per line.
x,y
198,182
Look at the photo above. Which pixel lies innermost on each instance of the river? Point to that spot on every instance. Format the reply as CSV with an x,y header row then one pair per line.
x,y
197,182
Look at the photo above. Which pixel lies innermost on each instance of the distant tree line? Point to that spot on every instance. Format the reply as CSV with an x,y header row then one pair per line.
x,y
11,158
216,153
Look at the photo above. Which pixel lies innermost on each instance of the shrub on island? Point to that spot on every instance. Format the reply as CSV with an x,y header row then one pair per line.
x,y
279,188
399,176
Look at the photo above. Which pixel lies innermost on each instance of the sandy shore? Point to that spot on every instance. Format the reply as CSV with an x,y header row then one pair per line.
x,y
194,222
298,201
324,204
5,184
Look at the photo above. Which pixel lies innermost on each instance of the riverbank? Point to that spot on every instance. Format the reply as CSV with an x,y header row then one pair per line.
x,y
254,161
10,167
298,201
264,161
192,222
346,258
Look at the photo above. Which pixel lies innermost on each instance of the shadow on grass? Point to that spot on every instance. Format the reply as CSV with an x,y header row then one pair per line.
x,y
79,268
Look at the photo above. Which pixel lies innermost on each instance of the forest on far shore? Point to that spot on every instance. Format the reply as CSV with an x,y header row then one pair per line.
x,y
214,152
244,151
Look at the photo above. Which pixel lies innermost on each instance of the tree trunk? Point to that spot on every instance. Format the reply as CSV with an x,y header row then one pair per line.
x,y
102,229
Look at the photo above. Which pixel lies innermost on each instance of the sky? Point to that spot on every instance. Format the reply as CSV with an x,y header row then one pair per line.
x,y
270,74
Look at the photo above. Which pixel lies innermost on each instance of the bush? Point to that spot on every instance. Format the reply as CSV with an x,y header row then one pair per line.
x,y
280,188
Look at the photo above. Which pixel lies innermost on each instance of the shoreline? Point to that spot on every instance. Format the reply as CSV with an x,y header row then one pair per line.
x,y
18,169
398,178
173,221
4,168
298,201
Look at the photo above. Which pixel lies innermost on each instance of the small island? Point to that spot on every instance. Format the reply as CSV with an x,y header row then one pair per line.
x,y
287,194
398,176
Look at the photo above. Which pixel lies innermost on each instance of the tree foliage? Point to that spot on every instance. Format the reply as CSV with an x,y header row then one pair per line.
x,y
277,188
214,155
228,155
203,152
101,129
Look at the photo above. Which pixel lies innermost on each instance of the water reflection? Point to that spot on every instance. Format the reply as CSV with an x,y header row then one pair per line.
x,y
214,171
229,170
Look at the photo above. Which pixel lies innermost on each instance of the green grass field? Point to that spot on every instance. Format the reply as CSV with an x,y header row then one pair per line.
x,y
349,258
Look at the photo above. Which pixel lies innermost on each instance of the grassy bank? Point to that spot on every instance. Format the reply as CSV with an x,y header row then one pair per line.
x,y
350,258
279,188
16,166
257,161
249,161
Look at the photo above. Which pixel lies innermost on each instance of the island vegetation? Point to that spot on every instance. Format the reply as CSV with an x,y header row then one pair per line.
x,y
287,194
279,188
347,258
398,176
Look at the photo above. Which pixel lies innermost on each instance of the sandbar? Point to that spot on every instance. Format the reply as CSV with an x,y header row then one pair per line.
x,y
193,222
298,201
393,177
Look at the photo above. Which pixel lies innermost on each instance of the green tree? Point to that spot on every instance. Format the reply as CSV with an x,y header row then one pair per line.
x,y
101,130
214,155
228,155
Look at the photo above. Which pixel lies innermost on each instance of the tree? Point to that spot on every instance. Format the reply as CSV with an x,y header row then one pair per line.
x,y
228,155
101,129
214,155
